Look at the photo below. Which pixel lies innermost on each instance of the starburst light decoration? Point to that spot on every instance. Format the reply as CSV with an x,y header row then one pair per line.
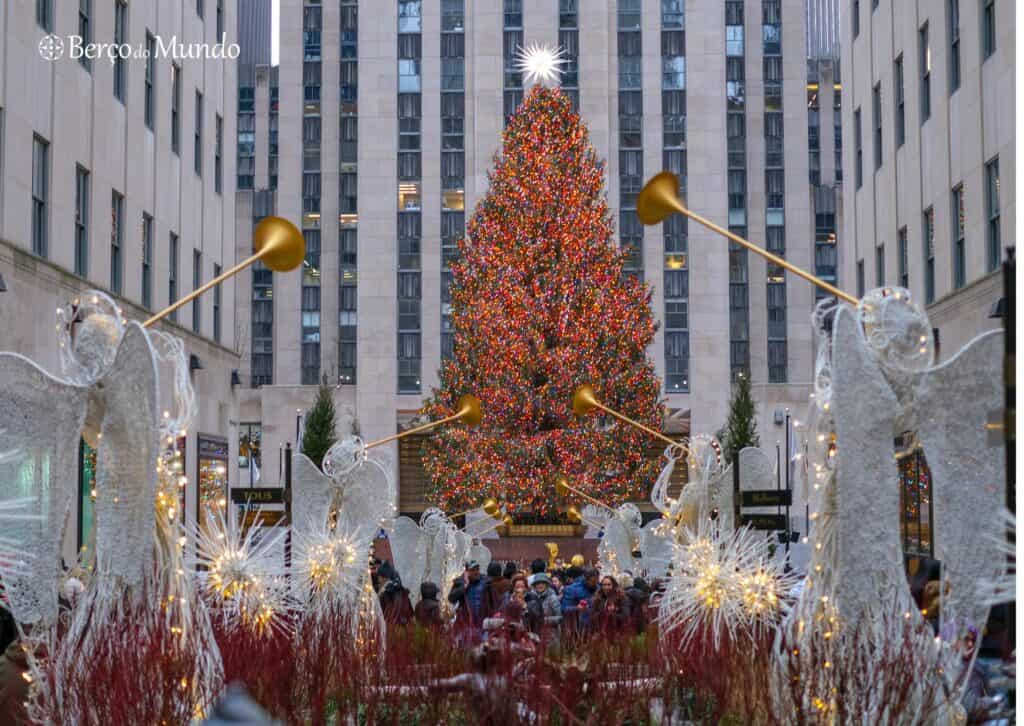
x,y
540,63
244,575
725,585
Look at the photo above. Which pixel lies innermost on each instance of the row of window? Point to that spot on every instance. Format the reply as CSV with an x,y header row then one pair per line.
x,y
409,220
348,242
958,234
310,292
676,260
631,154
987,27
453,164
83,194
736,144
924,83
775,230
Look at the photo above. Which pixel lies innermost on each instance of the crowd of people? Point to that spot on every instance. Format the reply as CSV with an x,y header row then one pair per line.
x,y
573,599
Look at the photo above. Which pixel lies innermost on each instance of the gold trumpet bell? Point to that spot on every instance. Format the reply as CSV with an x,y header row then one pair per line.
x,y
573,514
469,410
507,520
490,508
659,198
282,245
584,400
561,486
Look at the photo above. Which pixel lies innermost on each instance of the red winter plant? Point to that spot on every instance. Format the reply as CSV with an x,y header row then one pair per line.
x,y
540,306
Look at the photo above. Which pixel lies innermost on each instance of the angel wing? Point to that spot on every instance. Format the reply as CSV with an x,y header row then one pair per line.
x,y
126,461
368,495
409,554
656,548
480,552
41,421
953,402
616,548
311,494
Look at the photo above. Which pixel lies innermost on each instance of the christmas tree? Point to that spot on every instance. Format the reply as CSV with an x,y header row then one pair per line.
x,y
540,305
741,429
319,434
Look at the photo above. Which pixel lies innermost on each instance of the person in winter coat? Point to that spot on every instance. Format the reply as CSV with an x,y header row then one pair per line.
x,y
576,599
609,609
394,598
547,603
428,609
469,594
638,595
13,686
497,586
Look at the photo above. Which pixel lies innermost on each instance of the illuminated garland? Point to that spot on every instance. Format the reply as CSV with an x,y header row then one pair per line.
x,y
540,305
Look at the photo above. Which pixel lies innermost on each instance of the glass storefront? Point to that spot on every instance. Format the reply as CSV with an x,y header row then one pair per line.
x,y
250,436
915,479
86,494
211,475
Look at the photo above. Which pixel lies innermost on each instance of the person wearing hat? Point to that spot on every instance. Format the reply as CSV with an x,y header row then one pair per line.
x,y
468,596
546,599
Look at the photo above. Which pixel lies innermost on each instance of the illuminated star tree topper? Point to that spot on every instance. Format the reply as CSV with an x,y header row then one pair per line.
x,y
540,64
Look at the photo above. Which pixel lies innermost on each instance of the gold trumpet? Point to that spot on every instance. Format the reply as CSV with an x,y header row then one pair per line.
x,y
278,243
468,413
584,400
563,487
552,554
660,197
505,521
490,507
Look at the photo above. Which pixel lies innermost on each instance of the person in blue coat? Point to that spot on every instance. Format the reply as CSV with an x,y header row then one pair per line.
x,y
577,596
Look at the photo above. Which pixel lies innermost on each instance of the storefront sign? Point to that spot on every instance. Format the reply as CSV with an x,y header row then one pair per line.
x,y
259,495
764,521
767,498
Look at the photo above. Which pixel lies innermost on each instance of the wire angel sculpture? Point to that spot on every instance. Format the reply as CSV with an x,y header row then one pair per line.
x,y
336,515
116,378
433,550
876,379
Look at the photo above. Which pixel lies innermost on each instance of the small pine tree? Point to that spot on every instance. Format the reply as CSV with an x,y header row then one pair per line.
x,y
319,435
741,429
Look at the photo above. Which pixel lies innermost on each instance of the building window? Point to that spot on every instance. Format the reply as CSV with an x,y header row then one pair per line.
x,y
218,148
953,18
855,17
85,30
897,90
992,234
44,14
220,20
925,62
116,242
216,305
860,278
175,108
903,258
197,281
40,195
149,110
81,221
197,141
147,261
876,112
409,16
988,29
959,238
200,8
172,275
880,266
858,170
120,38
929,255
